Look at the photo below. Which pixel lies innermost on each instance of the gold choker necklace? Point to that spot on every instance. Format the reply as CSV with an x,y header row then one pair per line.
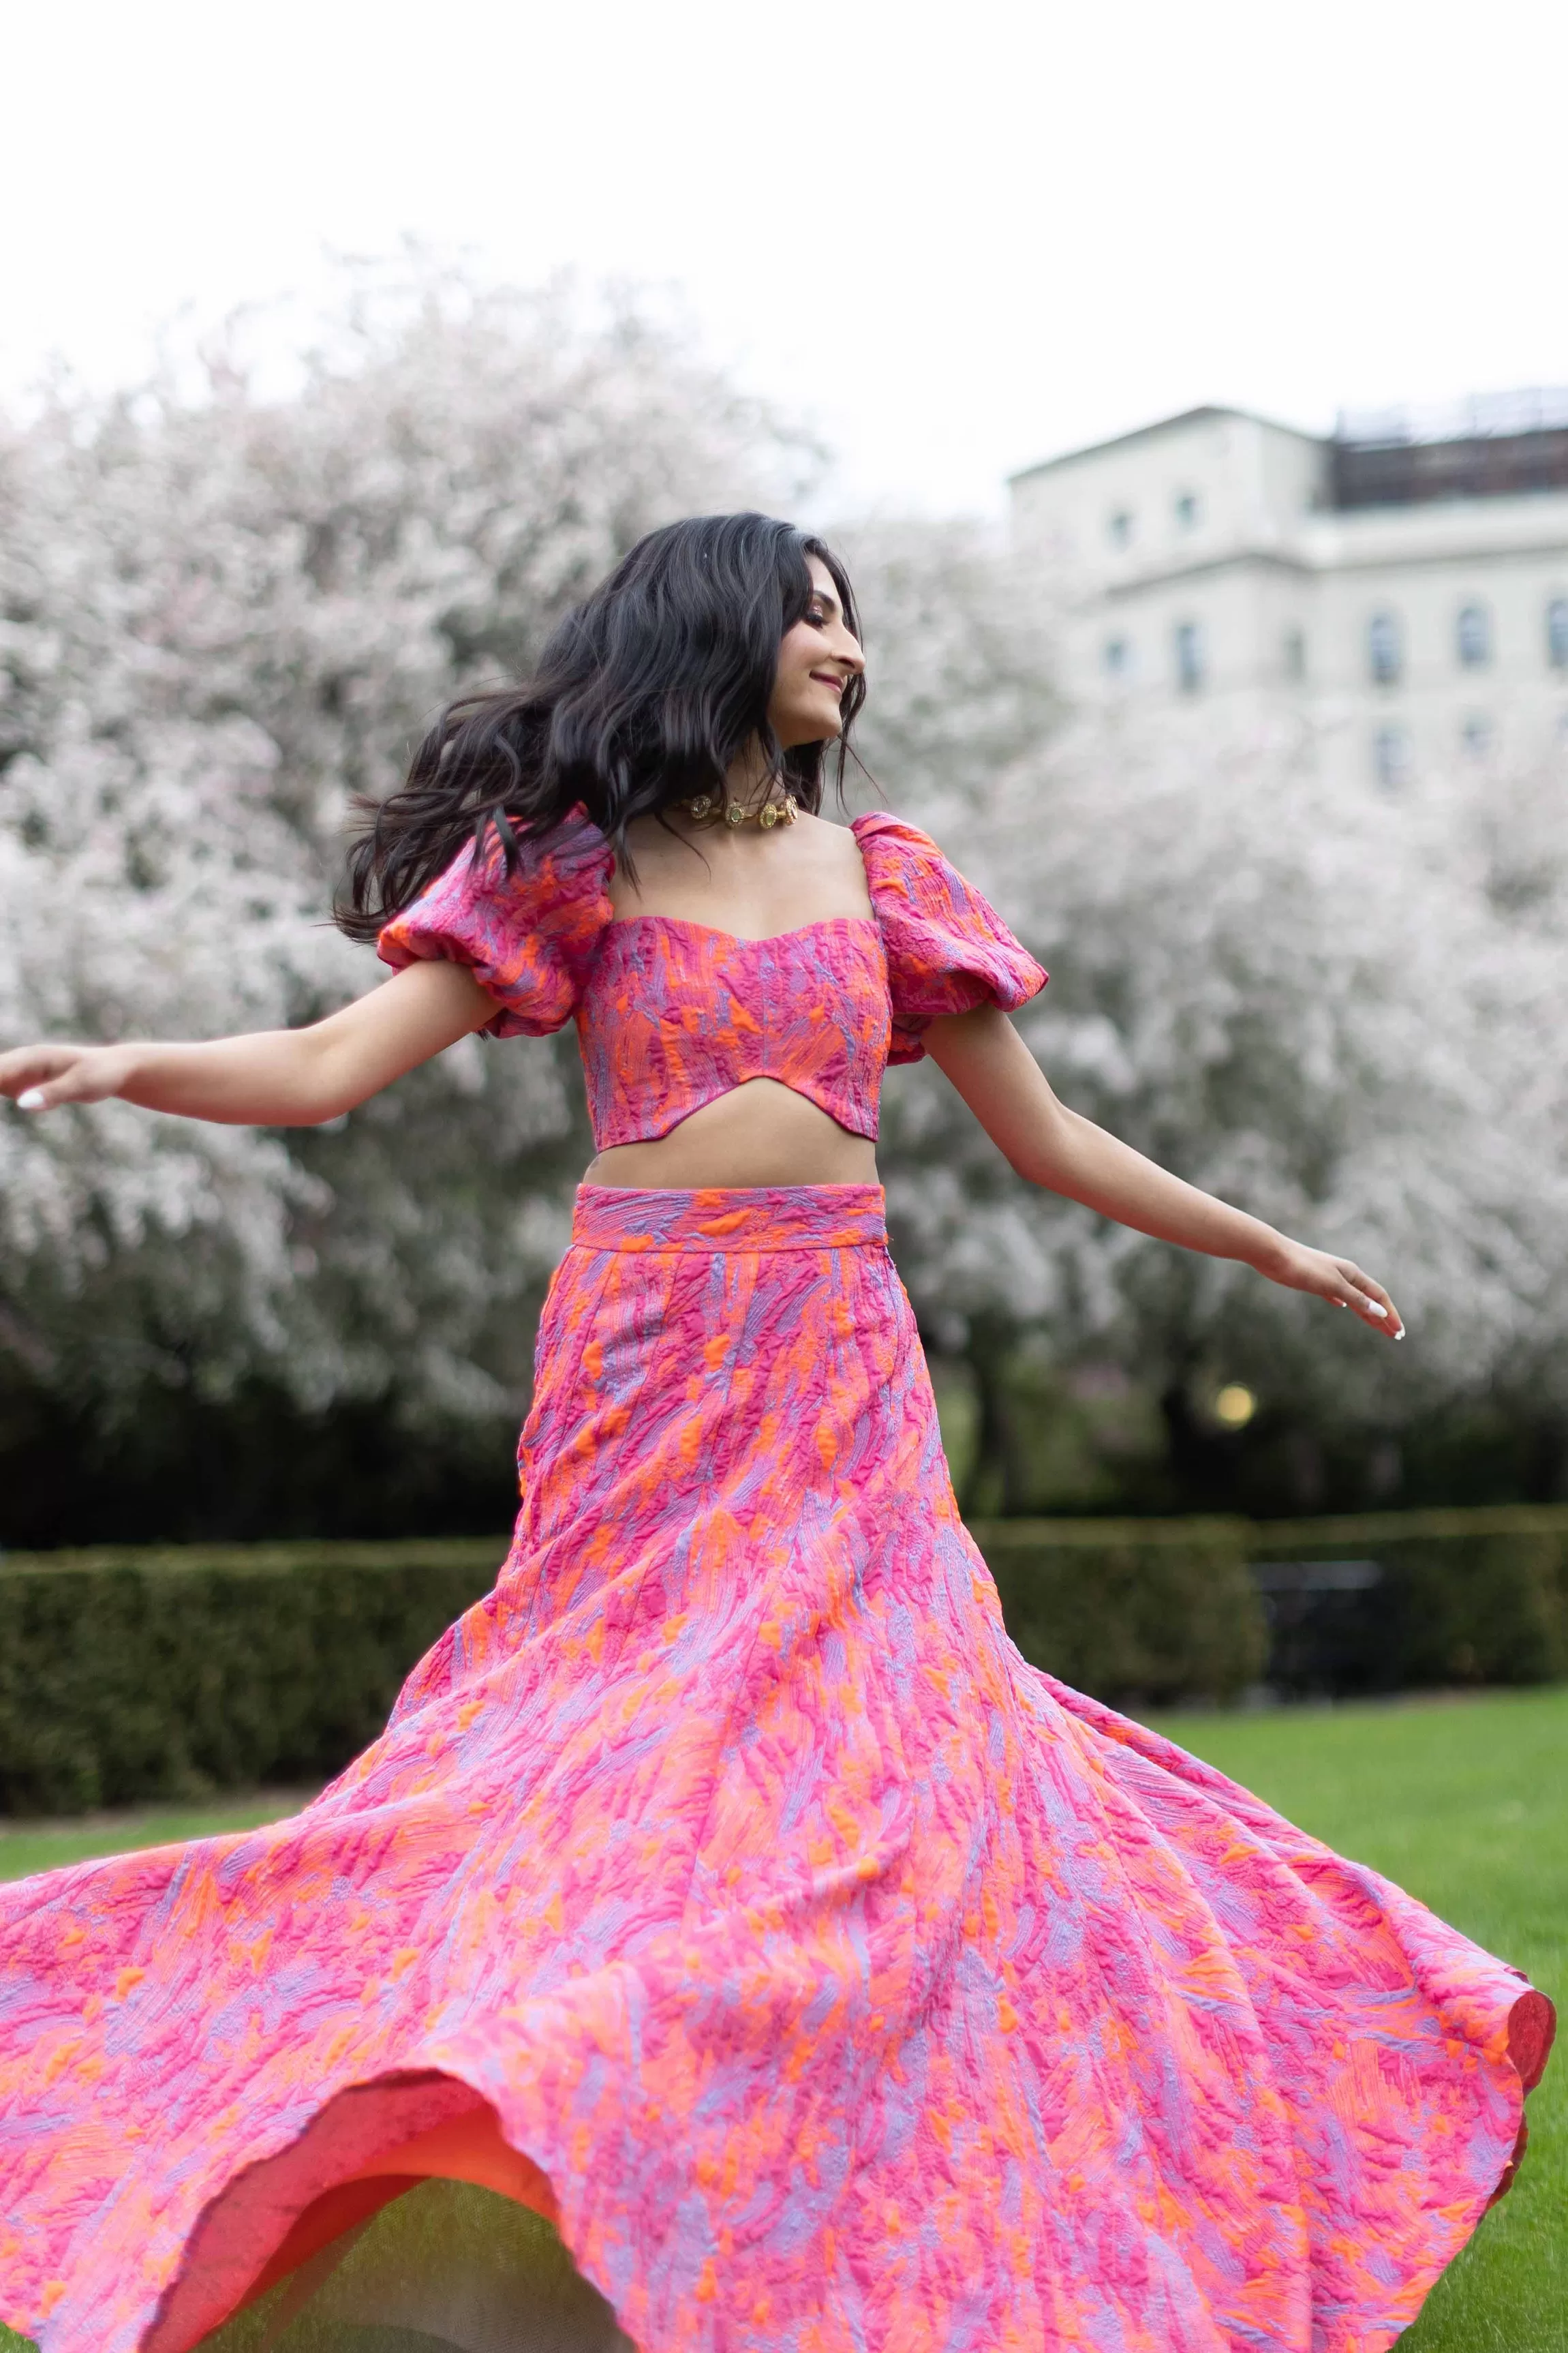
x,y
703,809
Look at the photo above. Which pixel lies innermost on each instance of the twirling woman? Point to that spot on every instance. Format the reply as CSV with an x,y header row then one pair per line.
x,y
725,1889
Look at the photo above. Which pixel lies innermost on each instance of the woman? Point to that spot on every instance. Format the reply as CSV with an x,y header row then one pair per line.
x,y
725,1889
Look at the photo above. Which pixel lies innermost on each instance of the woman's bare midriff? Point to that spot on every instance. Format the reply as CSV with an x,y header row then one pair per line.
x,y
760,1134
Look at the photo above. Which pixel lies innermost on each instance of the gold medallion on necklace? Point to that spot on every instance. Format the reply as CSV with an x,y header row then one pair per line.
x,y
704,810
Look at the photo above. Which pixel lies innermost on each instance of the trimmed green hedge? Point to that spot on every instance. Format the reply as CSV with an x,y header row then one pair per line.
x,y
1139,1612
1461,1597
132,1675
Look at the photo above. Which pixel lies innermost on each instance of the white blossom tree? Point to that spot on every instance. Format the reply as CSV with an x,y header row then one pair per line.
x,y
223,614
1335,1009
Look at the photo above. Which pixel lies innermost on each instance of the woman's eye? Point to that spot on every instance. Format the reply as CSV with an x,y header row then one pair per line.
x,y
818,617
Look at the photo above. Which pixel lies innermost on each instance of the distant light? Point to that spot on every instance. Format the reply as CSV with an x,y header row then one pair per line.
x,y
1234,1406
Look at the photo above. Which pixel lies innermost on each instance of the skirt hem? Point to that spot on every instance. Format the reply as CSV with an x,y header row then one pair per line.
x,y
1530,2028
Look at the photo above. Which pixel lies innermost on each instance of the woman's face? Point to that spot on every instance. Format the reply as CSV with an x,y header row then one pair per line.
x,y
817,660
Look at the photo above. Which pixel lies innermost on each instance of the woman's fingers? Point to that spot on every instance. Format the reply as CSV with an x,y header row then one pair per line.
x,y
1368,1298
23,1075
39,1078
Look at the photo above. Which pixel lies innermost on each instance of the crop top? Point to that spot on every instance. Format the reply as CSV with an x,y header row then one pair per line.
x,y
671,1015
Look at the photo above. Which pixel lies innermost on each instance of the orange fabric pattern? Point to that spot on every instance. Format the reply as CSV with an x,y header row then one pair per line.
x,y
854,1987
670,1015
530,937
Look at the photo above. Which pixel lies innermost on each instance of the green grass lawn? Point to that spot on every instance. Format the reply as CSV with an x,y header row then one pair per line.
x,y
1465,1803
26,1847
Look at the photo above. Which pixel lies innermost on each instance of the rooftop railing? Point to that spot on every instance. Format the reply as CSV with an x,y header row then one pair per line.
x,y
1495,445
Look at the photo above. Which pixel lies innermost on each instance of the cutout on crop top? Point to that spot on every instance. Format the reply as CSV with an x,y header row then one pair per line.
x,y
671,1015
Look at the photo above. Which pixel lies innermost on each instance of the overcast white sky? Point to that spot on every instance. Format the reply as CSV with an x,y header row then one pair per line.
x,y
963,237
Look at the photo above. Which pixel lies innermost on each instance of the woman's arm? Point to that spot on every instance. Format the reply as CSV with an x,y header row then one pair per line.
x,y
278,1078
1009,1095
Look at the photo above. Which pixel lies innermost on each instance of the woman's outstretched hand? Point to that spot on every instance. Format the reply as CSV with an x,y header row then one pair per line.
x,y
37,1078
1009,1095
1338,1279
275,1078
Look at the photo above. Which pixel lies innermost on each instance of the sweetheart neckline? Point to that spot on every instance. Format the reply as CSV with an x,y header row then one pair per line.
x,y
743,939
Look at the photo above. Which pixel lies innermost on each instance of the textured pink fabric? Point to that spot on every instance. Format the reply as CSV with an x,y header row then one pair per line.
x,y
671,1015
530,938
857,1987
948,950
674,1015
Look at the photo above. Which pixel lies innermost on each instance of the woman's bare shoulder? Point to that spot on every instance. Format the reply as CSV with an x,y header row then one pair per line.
x,y
832,852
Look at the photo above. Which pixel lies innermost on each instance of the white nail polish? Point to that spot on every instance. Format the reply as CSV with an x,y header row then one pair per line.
x,y
1372,1308
31,1099
1400,1333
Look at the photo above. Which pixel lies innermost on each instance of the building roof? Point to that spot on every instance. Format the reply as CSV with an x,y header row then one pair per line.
x,y
1160,425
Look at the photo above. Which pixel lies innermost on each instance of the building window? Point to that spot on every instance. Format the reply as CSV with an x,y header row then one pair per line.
x,y
1118,661
1475,735
1385,654
1187,643
1293,655
1473,637
1557,633
1119,528
1186,510
1391,756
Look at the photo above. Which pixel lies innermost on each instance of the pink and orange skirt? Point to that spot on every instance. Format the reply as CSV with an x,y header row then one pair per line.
x,y
732,1946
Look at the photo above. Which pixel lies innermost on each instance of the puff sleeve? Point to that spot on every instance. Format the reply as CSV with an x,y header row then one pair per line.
x,y
947,948
529,937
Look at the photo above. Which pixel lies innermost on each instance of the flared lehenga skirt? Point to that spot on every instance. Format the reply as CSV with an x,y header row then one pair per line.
x,y
726,1888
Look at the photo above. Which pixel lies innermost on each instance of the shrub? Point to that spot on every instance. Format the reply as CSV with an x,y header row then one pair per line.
x,y
127,1675
1139,1612
1455,1597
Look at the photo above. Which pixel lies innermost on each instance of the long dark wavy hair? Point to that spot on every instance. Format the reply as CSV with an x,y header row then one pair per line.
x,y
644,696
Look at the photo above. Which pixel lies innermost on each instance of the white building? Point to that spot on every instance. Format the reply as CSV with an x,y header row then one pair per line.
x,y
1401,588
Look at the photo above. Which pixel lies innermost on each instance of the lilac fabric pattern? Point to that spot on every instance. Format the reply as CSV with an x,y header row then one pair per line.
x,y
852,1986
530,937
725,1887
671,1015
948,950
674,1015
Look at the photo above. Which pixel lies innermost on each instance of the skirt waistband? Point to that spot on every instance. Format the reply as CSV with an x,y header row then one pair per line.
x,y
730,1218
